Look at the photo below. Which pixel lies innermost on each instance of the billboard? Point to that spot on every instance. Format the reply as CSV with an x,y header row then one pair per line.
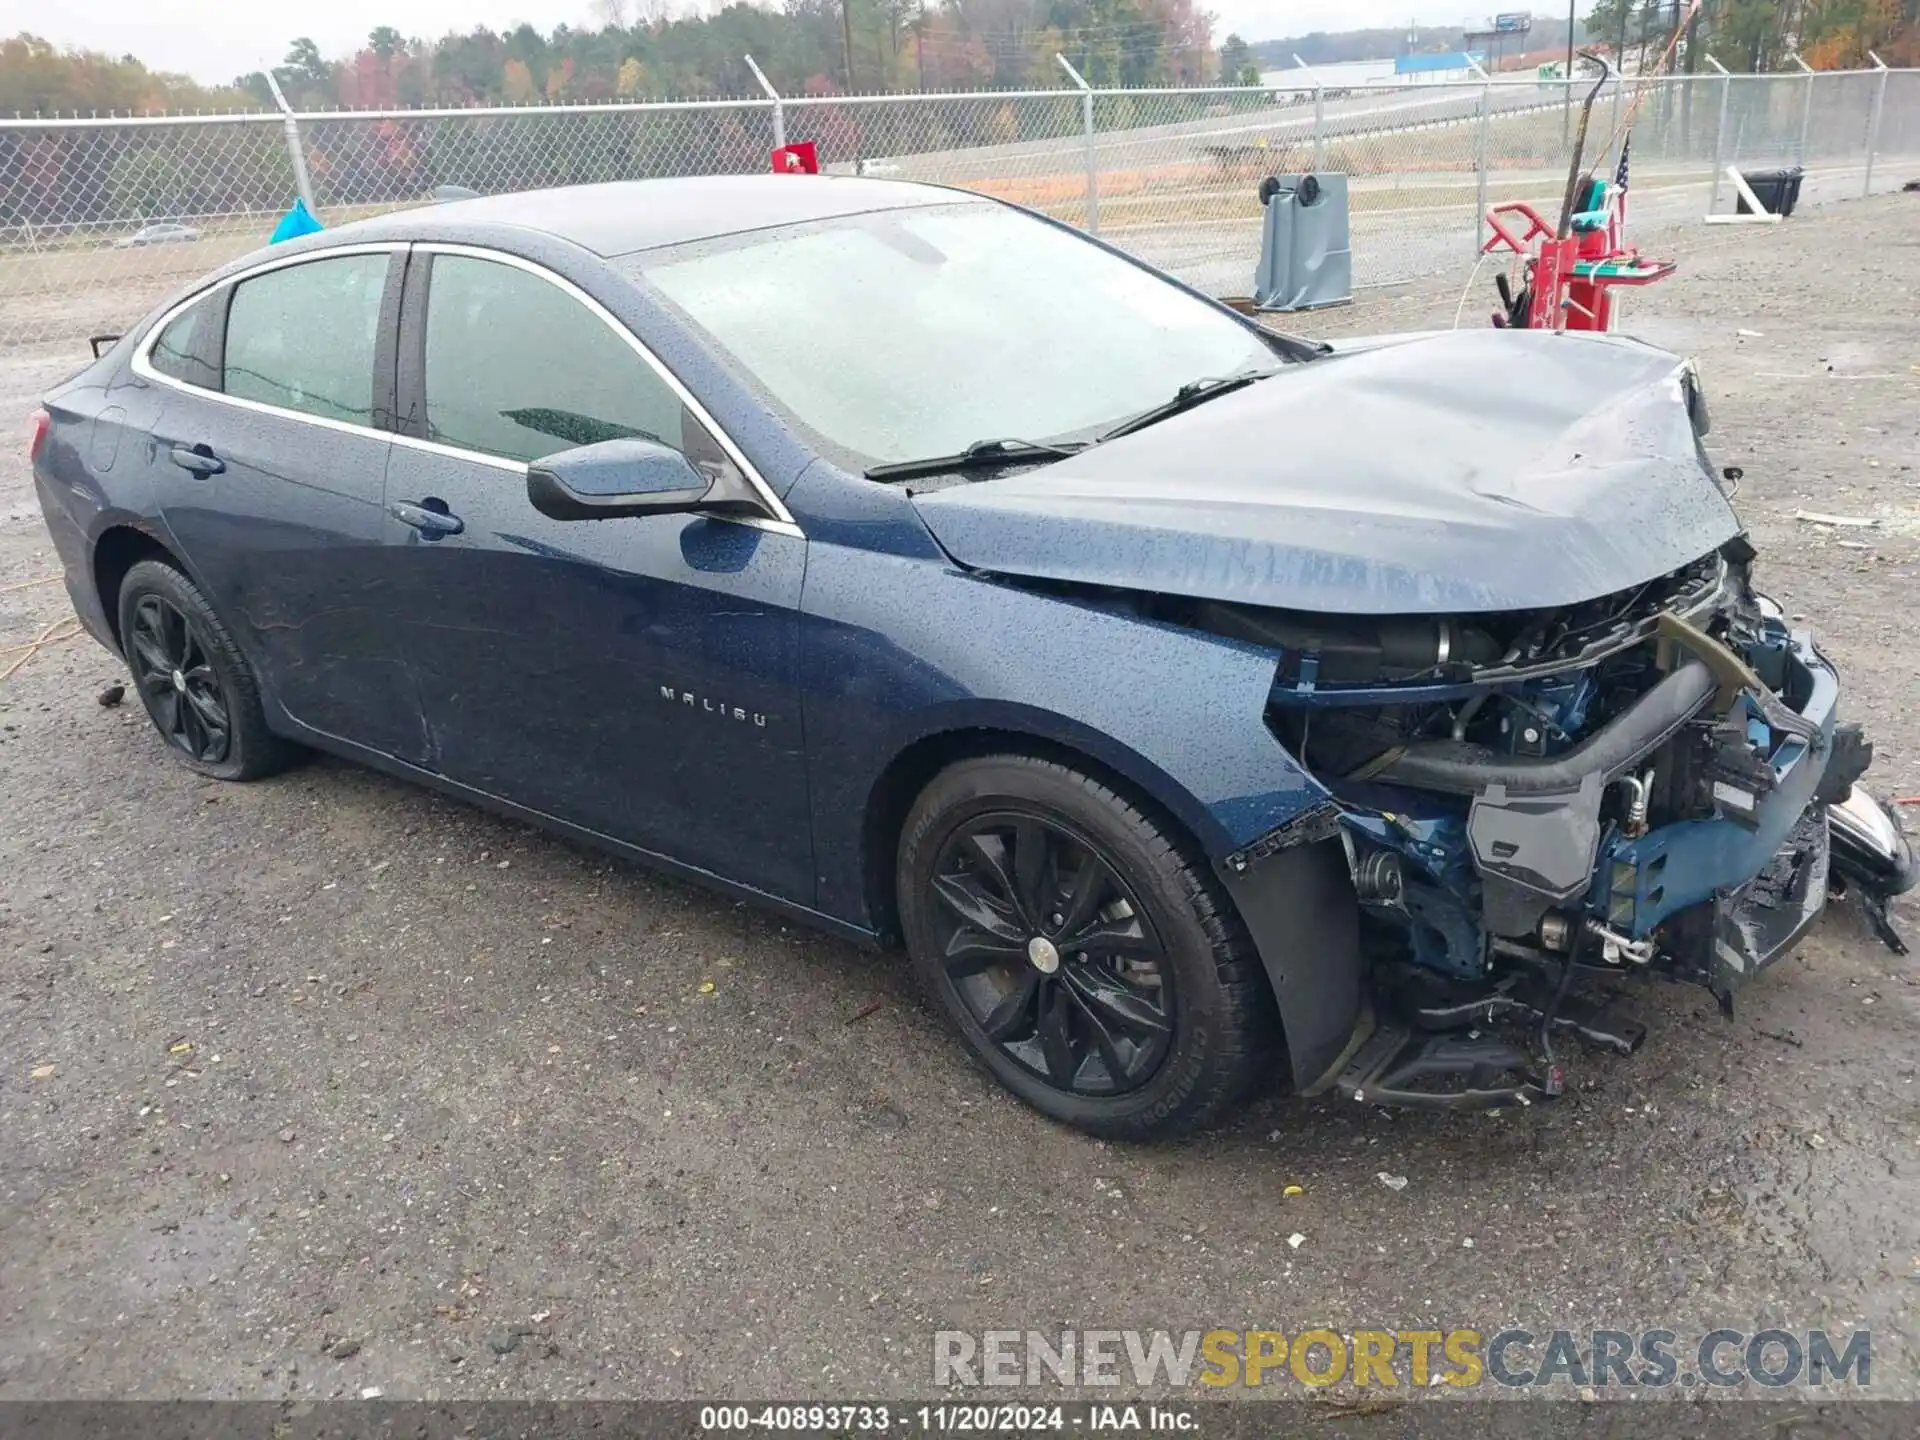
x,y
1517,22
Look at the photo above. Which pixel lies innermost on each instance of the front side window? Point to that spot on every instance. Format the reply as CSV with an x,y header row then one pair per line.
x,y
908,333
181,351
516,367
303,338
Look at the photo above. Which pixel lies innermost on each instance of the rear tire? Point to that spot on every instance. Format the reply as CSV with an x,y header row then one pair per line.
x,y
1083,952
195,684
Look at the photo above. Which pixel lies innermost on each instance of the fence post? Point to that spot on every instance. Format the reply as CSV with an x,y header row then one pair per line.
x,y
1720,131
1093,165
1319,116
1806,110
1480,167
1480,158
1873,129
779,115
299,156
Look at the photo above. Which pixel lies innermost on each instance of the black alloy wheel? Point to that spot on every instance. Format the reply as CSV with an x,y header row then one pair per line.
x,y
1081,946
173,668
1052,954
195,684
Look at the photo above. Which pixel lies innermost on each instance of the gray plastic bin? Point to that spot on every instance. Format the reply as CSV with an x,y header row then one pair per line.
x,y
1306,259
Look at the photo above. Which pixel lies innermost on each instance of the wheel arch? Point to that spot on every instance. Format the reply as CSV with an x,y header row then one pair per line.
x,y
915,764
1296,906
116,550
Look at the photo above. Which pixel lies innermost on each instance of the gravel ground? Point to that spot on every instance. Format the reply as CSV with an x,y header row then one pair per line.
x,y
469,1112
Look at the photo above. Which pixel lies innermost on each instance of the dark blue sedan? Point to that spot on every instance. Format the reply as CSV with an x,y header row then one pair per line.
x,y
1197,703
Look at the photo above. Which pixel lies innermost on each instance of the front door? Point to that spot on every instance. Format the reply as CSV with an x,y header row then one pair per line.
x,y
270,473
633,676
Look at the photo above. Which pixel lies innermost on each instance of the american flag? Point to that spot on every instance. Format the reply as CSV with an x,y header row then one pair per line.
x,y
1620,175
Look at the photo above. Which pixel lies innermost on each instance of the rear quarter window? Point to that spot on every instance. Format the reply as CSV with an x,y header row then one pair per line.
x,y
184,350
304,338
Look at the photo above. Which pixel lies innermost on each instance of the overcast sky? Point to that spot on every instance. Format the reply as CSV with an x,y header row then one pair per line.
x,y
214,40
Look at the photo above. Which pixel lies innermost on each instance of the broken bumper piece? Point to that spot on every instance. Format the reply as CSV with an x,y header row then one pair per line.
x,y
1690,835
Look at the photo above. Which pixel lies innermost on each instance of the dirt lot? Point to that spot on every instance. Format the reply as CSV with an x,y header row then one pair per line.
x,y
508,1119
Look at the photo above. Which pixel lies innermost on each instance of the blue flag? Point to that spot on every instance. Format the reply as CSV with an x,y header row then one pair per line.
x,y
296,222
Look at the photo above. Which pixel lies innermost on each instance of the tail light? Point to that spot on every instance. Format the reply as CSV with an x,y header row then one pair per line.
x,y
42,423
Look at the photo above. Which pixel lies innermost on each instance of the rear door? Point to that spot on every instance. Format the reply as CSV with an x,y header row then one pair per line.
x,y
635,676
269,465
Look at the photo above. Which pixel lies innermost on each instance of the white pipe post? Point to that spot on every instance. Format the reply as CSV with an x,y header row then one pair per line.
x,y
1093,164
299,156
1480,166
1319,116
1720,131
1757,214
1873,128
779,114
1806,109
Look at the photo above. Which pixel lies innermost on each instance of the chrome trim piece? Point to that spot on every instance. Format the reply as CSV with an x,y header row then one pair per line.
x,y
474,252
455,452
779,521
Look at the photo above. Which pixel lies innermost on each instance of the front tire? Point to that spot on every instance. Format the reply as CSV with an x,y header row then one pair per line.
x,y
1084,954
196,686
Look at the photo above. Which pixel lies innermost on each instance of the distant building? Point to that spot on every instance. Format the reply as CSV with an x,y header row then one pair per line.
x,y
1453,65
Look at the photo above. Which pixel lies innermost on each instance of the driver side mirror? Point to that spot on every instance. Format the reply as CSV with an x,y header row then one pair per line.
x,y
616,478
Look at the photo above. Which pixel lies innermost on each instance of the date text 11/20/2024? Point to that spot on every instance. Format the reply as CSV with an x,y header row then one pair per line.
x,y
957,1419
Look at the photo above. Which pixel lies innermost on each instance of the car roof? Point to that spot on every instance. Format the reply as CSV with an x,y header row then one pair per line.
x,y
622,216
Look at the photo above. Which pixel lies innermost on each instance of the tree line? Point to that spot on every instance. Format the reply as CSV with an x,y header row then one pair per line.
x,y
1746,35
635,51
1757,36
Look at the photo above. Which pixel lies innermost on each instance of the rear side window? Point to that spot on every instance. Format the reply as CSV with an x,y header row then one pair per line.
x,y
516,367
303,338
184,350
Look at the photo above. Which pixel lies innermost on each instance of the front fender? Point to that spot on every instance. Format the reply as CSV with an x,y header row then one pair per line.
x,y
896,649
899,649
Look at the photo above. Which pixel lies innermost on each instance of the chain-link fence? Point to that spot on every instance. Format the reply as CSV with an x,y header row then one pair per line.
x,y
99,219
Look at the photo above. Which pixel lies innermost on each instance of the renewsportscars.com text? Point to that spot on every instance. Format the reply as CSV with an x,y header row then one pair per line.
x,y
1645,1359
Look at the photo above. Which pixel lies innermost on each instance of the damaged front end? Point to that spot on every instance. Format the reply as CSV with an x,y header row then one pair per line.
x,y
1530,803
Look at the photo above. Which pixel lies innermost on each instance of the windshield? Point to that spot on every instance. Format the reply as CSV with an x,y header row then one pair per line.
x,y
913,333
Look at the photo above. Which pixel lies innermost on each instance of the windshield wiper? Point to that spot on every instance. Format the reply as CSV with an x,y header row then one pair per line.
x,y
981,455
1194,392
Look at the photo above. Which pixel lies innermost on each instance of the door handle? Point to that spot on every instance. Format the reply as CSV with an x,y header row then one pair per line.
x,y
430,522
200,459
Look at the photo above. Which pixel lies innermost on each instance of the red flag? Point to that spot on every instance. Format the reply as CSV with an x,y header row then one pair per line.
x,y
798,158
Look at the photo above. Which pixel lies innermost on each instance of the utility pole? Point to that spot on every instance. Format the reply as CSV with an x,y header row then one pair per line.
x,y
846,39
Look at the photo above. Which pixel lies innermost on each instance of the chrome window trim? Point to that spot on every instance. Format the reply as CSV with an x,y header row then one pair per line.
x,y
775,509
779,520
142,364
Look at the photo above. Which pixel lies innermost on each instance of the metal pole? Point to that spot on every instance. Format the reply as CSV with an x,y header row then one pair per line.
x,y
299,156
1319,116
1873,129
1480,167
1719,131
779,114
1093,163
846,38
1566,115
1806,112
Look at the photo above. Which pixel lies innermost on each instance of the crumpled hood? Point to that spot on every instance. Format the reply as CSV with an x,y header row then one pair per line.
x,y
1464,471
